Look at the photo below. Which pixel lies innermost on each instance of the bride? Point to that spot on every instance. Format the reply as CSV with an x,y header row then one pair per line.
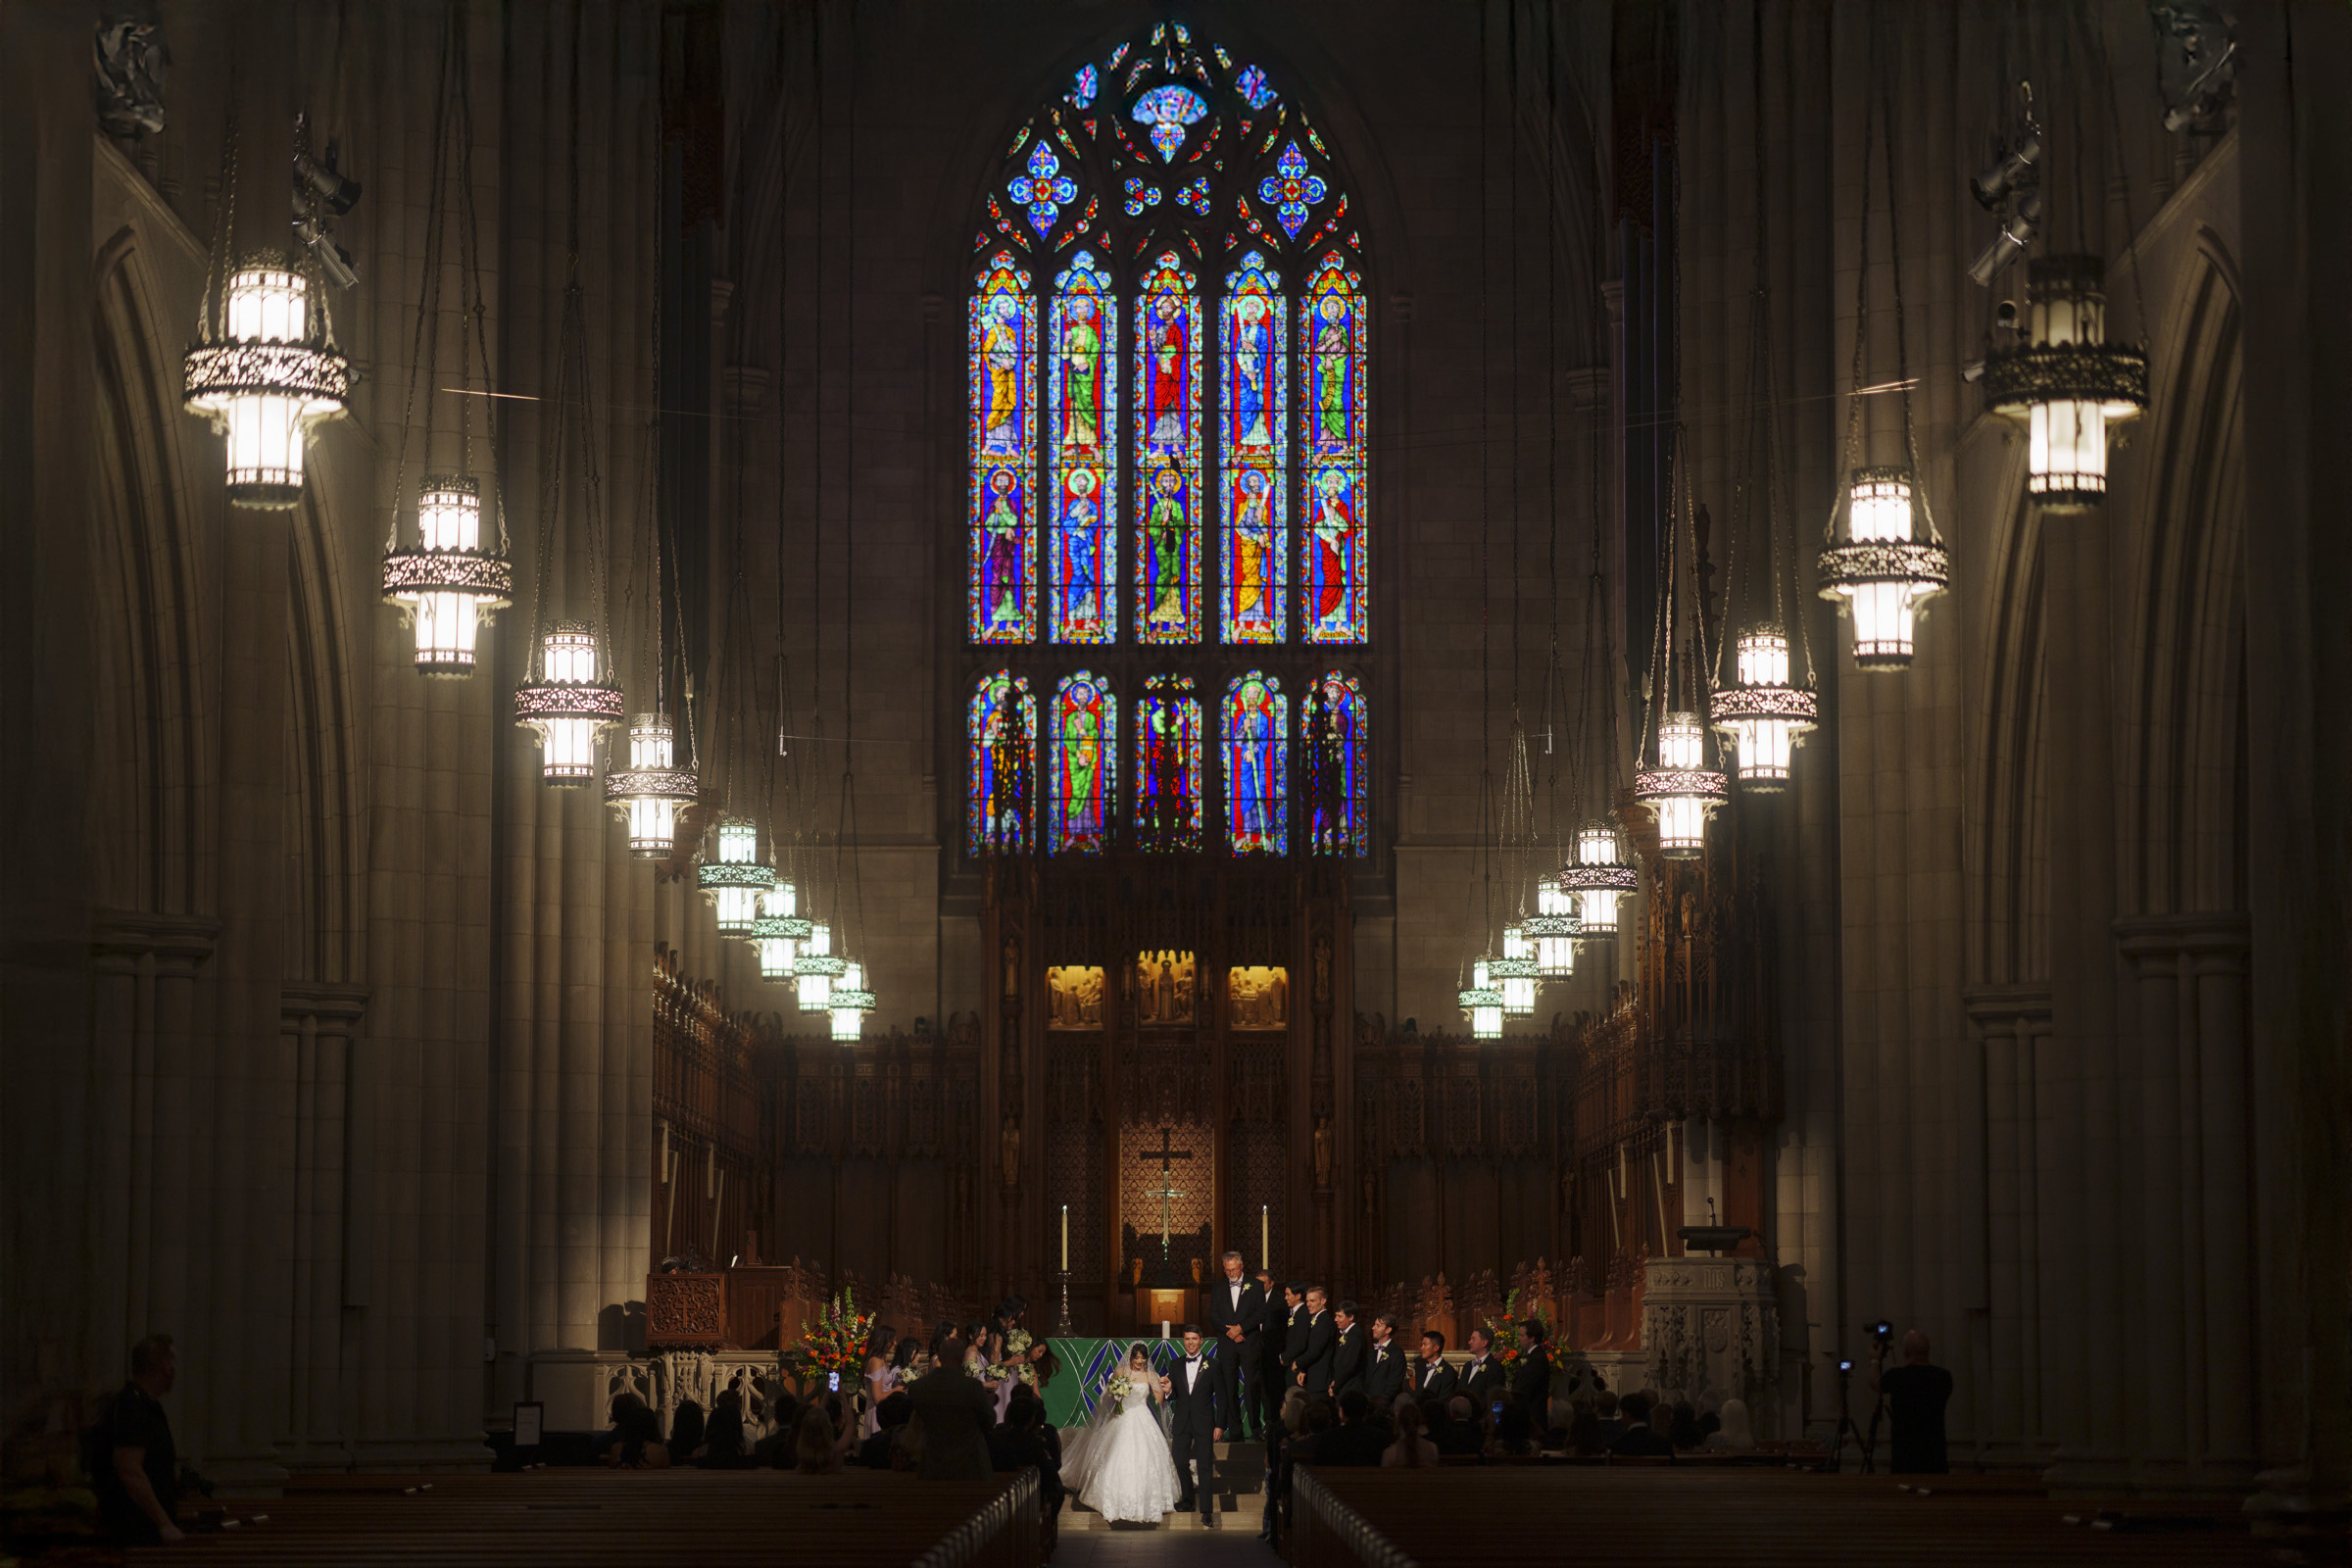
x,y
1121,1465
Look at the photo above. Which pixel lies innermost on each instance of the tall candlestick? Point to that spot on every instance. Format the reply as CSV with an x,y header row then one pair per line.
x,y
1065,1237
1265,1236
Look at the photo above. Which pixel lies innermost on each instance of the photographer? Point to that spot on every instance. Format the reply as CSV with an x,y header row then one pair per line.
x,y
1916,1393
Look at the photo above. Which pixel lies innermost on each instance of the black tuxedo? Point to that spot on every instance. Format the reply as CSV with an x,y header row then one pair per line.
x,y
1482,1379
1238,1362
1351,1353
1194,1417
1293,1343
1319,1342
1433,1380
1274,1332
1532,1385
1385,1374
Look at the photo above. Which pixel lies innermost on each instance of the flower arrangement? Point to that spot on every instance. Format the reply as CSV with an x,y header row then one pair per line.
x,y
1506,1344
1115,1389
835,1341
1016,1359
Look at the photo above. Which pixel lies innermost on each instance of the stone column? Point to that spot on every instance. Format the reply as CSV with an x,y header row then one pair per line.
x,y
321,1020
2008,1019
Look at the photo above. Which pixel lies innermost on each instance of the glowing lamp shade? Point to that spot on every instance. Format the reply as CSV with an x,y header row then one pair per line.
x,y
817,968
1881,572
568,706
2066,382
1515,973
449,585
265,382
1763,717
850,1002
1552,929
734,881
1482,1001
778,932
651,790
1681,791
1598,878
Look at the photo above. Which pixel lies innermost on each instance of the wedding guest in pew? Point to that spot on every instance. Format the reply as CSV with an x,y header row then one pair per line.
x,y
1459,1434
1683,1428
956,1413
1584,1436
685,1430
1554,1437
1638,1441
1612,1425
816,1450
1355,1441
1411,1451
635,1441
725,1444
1514,1433
1019,1444
890,1424
1279,1432
1735,1434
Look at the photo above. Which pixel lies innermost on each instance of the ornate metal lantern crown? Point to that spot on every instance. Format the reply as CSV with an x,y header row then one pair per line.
x,y
2066,382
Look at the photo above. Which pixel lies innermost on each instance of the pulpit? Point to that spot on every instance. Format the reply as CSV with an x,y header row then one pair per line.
x,y
685,1311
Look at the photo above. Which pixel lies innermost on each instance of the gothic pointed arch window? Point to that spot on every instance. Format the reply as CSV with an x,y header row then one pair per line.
x,y
1169,475
1000,729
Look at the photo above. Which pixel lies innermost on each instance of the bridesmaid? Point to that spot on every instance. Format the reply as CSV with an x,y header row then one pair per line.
x,y
880,1378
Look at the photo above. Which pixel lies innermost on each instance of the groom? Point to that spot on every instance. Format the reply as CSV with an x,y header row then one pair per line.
x,y
1189,1390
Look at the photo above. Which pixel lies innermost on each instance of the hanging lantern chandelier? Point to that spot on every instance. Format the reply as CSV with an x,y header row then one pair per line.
x,y
1514,974
817,968
569,705
778,932
1886,568
651,792
1599,878
1482,1001
264,377
1681,790
849,1003
734,882
1553,928
1763,715
2066,382
449,585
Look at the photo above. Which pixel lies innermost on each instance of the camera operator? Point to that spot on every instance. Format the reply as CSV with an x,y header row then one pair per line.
x,y
1916,1393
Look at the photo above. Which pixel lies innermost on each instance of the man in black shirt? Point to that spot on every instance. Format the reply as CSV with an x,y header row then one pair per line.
x,y
135,1469
1916,1393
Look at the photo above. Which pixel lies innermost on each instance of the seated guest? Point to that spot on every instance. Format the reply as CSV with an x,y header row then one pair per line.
x,y
816,1452
1411,1450
1554,1437
685,1432
1612,1425
1638,1441
1286,1426
1709,1423
890,1423
1315,1427
1683,1428
1462,1435
1514,1433
1355,1442
1019,1446
1585,1438
1736,1437
724,1444
635,1441
956,1413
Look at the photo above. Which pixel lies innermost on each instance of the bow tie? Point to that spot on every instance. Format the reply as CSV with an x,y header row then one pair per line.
x,y
1191,1360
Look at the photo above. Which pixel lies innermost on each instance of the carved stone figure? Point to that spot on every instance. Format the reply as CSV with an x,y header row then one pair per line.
x,y
1323,971
1010,1144
1323,1153
1012,968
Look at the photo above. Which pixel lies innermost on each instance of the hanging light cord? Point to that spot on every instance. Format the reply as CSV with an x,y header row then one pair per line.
x,y
425,346
845,835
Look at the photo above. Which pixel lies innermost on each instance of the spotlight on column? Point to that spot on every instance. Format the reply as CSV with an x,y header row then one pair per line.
x,y
2010,171
2023,224
334,261
338,190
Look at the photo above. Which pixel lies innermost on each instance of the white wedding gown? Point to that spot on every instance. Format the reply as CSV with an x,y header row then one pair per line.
x,y
1121,1467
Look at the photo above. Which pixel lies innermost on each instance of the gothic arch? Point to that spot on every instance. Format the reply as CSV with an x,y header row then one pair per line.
x,y
323,912
2011,935
2187,636
149,773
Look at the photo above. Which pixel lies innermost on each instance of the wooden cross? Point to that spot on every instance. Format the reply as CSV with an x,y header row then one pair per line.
x,y
1166,1189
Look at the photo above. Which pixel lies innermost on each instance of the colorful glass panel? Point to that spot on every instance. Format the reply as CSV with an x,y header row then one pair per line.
x,y
1253,90
1086,750
1336,557
1002,586
1167,765
1168,111
1252,480
1290,190
1257,759
1332,732
1083,87
1000,729
1167,449
1081,423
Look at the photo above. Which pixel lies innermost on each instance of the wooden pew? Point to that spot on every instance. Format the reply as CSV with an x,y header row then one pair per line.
x,y
631,1519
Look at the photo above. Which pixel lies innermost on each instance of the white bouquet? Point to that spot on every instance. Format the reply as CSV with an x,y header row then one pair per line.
x,y
1114,1389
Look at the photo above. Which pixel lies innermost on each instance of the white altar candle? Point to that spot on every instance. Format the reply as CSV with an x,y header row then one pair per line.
x,y
1266,1235
1065,1238
1163,1327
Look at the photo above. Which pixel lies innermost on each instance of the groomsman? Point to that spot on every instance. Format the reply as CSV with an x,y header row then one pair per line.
x,y
1274,1336
1385,1374
1294,1338
1482,1378
1314,1361
1349,1355
1433,1378
1237,1312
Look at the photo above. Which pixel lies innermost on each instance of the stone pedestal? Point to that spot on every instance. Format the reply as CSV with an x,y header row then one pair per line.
x,y
1712,1323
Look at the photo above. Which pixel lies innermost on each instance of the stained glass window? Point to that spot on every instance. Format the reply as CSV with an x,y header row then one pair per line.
x,y
1168,455
1333,570
1167,764
1257,758
1331,734
1253,483
1001,731
1082,421
1003,586
1086,750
